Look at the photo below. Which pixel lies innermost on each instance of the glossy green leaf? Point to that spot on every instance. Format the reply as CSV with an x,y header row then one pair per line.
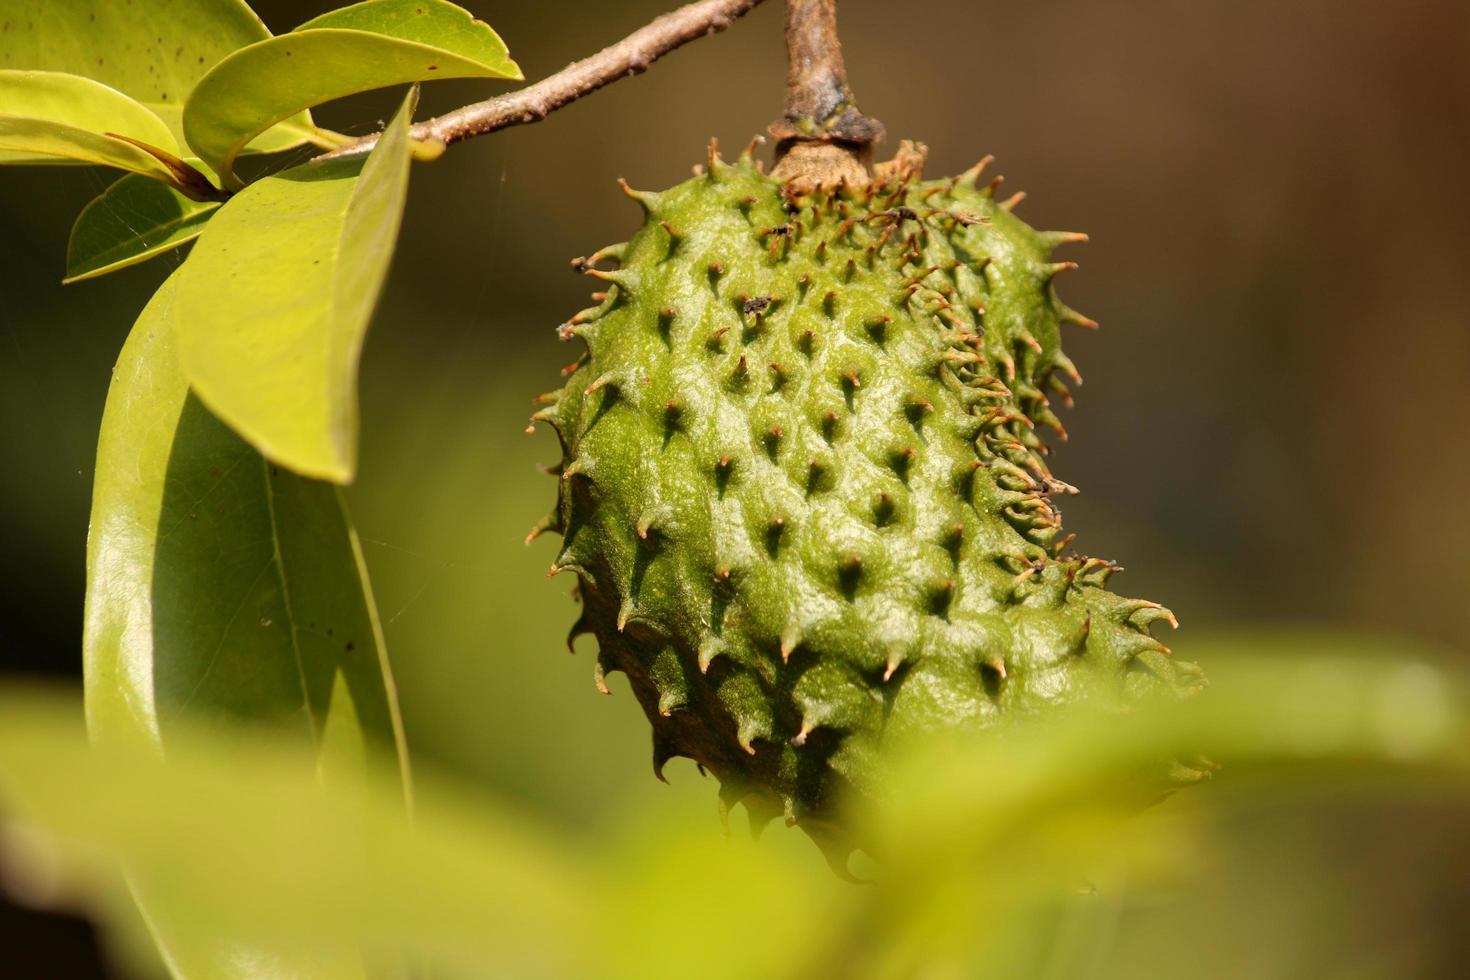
x,y
49,116
365,46
221,587
152,50
275,299
132,221
219,584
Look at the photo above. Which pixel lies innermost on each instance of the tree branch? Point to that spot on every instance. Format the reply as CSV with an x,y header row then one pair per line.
x,y
630,56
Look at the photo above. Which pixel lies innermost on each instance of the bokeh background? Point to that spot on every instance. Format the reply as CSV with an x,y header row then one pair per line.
x,y
1272,433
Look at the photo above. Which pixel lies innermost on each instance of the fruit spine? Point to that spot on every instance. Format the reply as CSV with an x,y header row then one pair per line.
x,y
804,488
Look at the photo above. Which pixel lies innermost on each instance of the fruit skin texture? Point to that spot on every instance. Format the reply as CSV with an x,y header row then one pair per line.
x,y
803,489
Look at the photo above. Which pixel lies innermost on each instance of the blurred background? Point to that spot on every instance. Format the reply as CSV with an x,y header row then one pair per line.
x,y
1272,432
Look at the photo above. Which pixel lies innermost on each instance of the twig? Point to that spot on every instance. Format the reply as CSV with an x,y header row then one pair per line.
x,y
630,56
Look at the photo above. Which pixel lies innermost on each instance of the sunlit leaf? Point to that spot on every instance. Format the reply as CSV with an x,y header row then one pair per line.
x,y
220,586
152,50
983,831
365,46
987,842
51,116
239,831
275,299
132,221
250,850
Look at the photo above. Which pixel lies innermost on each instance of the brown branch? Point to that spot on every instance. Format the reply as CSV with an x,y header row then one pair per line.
x,y
824,140
630,56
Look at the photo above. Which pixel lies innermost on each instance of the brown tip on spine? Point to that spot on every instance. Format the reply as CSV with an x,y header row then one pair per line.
x,y
790,640
709,649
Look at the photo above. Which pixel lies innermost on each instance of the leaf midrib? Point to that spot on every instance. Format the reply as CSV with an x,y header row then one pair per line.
x,y
280,563
166,229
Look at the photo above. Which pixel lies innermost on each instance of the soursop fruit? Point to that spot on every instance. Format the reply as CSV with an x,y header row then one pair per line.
x,y
804,488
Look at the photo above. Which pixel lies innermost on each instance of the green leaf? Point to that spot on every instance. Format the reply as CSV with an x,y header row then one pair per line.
x,y
366,46
152,50
985,835
132,221
221,587
275,299
48,116
253,851
218,584
999,825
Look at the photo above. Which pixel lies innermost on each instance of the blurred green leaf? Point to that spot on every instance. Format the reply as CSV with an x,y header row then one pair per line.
x,y
220,586
234,828
987,845
50,117
983,831
251,850
132,221
275,299
365,46
152,50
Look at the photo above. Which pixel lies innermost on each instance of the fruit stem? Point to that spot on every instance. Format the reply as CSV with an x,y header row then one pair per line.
x,y
823,138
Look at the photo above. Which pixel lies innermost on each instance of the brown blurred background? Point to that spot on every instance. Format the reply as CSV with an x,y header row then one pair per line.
x,y
1274,424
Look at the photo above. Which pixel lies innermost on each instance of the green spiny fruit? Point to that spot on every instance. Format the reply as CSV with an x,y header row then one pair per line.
x,y
803,487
